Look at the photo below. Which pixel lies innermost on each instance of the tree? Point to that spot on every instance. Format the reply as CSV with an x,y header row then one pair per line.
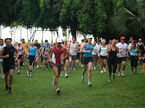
x,y
130,19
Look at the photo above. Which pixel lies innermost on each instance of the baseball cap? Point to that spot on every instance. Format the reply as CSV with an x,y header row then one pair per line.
x,y
59,40
122,38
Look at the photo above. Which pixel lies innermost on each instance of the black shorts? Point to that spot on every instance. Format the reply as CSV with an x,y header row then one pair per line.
x,y
7,67
86,60
121,59
41,58
67,58
59,66
78,56
103,57
133,61
20,56
73,57
31,59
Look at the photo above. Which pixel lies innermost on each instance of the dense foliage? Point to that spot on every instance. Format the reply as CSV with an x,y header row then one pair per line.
x,y
101,18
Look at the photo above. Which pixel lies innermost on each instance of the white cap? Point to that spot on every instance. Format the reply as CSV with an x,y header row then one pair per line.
x,y
59,40
89,37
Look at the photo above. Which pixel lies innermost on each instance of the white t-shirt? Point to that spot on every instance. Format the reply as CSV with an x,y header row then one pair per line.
x,y
73,48
95,50
1,47
123,48
99,46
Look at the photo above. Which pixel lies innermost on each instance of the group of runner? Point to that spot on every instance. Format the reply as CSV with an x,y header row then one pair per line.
x,y
64,55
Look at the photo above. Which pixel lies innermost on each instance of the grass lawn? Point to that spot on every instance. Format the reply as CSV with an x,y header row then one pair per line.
x,y
38,91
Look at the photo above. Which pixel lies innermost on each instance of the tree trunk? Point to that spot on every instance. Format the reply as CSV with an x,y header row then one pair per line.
x,y
73,31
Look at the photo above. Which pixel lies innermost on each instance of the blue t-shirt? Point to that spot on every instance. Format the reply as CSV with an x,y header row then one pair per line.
x,y
44,45
32,51
87,48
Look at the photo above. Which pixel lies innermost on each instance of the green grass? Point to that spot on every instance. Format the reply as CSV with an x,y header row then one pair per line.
x,y
38,91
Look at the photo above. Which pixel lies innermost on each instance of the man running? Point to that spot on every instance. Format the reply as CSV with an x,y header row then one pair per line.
x,y
57,60
25,47
9,57
123,47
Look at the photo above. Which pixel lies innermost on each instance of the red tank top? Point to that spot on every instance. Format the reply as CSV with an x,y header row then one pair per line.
x,y
67,50
56,56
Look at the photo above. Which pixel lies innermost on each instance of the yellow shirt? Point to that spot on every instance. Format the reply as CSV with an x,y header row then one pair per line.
x,y
25,47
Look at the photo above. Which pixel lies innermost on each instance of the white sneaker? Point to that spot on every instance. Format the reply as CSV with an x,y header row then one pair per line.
x,y
66,75
94,68
104,69
37,66
28,73
123,73
82,79
3,76
58,91
81,65
46,69
101,71
89,83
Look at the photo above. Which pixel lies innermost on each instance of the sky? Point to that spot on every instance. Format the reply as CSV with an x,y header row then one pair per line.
x,y
6,32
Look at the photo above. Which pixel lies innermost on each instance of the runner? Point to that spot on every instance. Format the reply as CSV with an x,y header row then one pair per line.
x,y
38,54
57,60
103,55
73,54
66,56
45,52
32,54
123,47
20,52
112,59
1,60
87,49
7,53
134,55
25,47
95,55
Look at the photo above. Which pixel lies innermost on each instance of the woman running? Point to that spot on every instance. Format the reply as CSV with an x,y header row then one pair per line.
x,y
103,55
112,59
32,54
45,52
134,55
57,60
19,60
66,56
87,49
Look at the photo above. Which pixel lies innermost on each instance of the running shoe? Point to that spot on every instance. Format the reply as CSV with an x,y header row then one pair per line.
x,y
66,75
104,69
123,74
18,72
3,76
37,66
94,68
28,73
89,83
109,80
58,91
9,90
82,79
101,71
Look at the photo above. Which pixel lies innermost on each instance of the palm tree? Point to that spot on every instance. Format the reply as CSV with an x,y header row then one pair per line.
x,y
130,19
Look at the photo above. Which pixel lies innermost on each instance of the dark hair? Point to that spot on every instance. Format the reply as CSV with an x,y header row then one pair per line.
x,y
46,41
22,39
83,40
8,39
1,39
